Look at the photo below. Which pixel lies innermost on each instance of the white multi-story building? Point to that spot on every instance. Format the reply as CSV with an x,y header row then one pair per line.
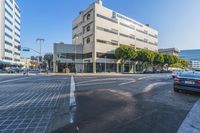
x,y
171,51
101,30
9,31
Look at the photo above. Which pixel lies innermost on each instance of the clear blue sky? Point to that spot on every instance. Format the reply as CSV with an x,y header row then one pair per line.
x,y
178,21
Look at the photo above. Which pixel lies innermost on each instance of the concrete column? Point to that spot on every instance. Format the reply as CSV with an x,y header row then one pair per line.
x,y
117,67
94,67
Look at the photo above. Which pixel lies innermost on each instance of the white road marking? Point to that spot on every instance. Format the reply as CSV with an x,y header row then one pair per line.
x,y
142,78
103,79
125,83
191,124
89,84
72,100
6,81
151,86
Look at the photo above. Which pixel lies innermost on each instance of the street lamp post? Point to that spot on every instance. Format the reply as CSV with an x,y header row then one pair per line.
x,y
40,40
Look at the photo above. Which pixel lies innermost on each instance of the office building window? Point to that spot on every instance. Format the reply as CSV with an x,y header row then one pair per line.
x,y
107,30
144,32
88,40
106,18
9,5
8,58
17,22
127,36
6,19
8,28
8,43
88,16
88,28
107,42
8,13
8,51
128,26
9,36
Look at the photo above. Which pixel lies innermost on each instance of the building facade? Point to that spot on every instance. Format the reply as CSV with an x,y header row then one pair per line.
x,y
10,20
101,31
171,51
193,56
68,58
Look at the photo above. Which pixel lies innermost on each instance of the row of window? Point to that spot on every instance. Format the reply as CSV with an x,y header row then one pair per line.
x,y
17,28
17,22
8,5
18,60
76,26
129,20
73,56
8,21
104,55
107,42
17,53
8,43
8,58
107,30
17,8
8,28
121,34
17,41
8,51
9,36
106,18
128,26
17,34
154,36
127,36
144,32
8,13
17,15
125,25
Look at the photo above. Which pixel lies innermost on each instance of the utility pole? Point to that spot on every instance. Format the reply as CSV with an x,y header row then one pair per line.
x,y
40,41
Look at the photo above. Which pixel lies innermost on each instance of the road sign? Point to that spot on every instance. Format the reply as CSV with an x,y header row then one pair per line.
x,y
26,50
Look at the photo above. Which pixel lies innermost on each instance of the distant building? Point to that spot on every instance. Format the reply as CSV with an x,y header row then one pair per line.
x,y
28,63
65,56
10,21
171,51
193,56
101,30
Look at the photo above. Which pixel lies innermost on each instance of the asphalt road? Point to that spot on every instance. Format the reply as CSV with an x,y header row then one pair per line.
x,y
129,104
104,104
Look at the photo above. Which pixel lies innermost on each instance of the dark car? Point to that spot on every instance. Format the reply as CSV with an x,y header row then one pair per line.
x,y
189,81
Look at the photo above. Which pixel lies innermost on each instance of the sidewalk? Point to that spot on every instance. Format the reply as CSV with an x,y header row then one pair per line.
x,y
86,74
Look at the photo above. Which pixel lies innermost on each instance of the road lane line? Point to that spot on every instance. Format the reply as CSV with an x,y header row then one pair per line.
x,y
12,80
125,83
89,84
151,86
191,124
72,100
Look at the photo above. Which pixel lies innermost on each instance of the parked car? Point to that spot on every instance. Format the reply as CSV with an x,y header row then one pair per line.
x,y
187,81
176,73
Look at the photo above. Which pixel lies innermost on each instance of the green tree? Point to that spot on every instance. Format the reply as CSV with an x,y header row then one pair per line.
x,y
49,58
145,57
125,53
158,60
